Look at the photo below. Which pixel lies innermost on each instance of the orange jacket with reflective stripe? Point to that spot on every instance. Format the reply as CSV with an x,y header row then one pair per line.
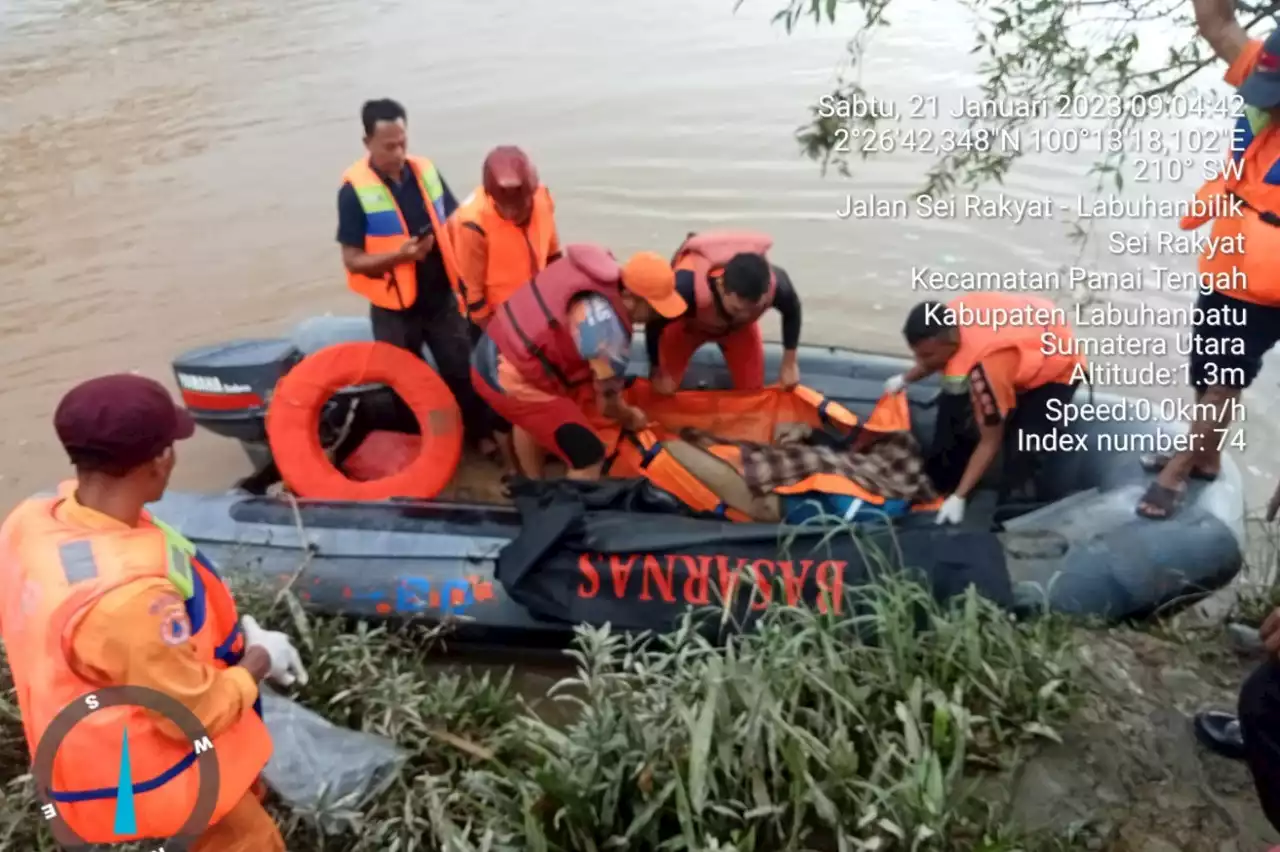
x,y
1242,255
515,253
981,338
386,232
705,255
51,574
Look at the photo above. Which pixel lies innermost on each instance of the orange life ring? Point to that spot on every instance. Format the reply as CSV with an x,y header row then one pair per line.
x,y
293,420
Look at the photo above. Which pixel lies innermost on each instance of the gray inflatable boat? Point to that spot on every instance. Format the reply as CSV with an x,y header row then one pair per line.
x,y
1080,548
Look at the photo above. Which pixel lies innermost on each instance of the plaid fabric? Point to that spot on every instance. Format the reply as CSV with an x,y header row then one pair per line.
x,y
892,467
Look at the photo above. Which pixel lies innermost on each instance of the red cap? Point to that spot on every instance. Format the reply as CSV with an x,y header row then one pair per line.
x,y
120,421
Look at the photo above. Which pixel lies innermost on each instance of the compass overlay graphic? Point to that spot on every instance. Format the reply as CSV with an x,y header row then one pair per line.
x,y
126,818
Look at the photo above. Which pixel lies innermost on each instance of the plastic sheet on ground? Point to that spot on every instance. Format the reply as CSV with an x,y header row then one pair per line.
x,y
317,767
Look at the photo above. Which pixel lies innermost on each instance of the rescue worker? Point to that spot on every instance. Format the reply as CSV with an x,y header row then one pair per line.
x,y
728,283
504,234
1239,278
95,593
398,254
992,345
553,359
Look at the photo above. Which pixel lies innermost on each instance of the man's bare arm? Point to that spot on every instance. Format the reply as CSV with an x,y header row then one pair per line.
x,y
1216,21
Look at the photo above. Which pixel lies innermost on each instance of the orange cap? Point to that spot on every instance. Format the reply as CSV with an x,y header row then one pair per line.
x,y
650,277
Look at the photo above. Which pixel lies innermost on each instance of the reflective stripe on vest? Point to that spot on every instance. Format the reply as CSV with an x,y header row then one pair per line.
x,y
386,232
382,216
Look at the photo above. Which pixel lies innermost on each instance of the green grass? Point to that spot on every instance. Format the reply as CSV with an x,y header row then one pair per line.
x,y
798,736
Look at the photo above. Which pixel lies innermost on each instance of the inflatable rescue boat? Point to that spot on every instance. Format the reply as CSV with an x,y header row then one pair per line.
x,y
625,552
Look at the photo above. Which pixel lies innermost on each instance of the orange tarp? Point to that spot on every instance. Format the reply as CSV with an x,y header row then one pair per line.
x,y
734,416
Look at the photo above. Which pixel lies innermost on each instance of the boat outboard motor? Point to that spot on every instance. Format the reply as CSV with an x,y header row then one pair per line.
x,y
227,388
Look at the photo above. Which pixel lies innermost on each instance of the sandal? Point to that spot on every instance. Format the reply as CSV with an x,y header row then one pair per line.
x,y
1160,502
1155,462
1220,733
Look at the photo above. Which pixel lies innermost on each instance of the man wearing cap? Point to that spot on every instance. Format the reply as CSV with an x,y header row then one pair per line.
x,y
398,253
504,234
96,593
553,359
1239,268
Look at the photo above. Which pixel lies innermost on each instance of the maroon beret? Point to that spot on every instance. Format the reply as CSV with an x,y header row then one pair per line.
x,y
121,421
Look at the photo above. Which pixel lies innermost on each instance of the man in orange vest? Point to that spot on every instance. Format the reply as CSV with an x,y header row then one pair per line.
x,y
553,360
1239,278
95,593
504,234
728,283
392,209
992,345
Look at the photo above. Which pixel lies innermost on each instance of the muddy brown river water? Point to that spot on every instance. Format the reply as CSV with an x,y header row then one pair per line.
x,y
168,172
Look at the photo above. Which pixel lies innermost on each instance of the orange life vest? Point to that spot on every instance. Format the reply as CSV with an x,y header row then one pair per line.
x,y
531,330
386,232
516,253
705,256
643,451
979,340
643,454
1251,273
51,574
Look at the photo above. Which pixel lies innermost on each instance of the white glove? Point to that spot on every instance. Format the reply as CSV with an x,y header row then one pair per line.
x,y
286,665
951,511
893,384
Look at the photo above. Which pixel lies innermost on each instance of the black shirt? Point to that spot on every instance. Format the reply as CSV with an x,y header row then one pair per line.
x,y
434,288
785,301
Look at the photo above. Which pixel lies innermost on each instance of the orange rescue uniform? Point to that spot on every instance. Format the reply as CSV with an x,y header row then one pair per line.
x,y
90,601
999,364
1242,256
496,257
703,257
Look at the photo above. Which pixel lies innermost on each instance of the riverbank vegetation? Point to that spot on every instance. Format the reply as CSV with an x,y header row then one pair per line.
x,y
798,736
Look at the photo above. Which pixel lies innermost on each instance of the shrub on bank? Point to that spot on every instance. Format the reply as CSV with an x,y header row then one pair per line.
x,y
797,736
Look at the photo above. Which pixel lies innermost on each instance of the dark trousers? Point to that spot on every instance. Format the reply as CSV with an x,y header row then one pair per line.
x,y
956,436
438,325
1031,416
1259,713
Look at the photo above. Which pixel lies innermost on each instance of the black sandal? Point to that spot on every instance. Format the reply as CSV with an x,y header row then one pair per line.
x,y
1220,733
1155,462
1161,502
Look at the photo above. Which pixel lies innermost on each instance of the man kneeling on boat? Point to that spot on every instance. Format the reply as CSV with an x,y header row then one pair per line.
x,y
96,594
553,357
995,346
728,283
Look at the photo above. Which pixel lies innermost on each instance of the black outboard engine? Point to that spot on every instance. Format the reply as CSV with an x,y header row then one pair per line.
x,y
228,386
